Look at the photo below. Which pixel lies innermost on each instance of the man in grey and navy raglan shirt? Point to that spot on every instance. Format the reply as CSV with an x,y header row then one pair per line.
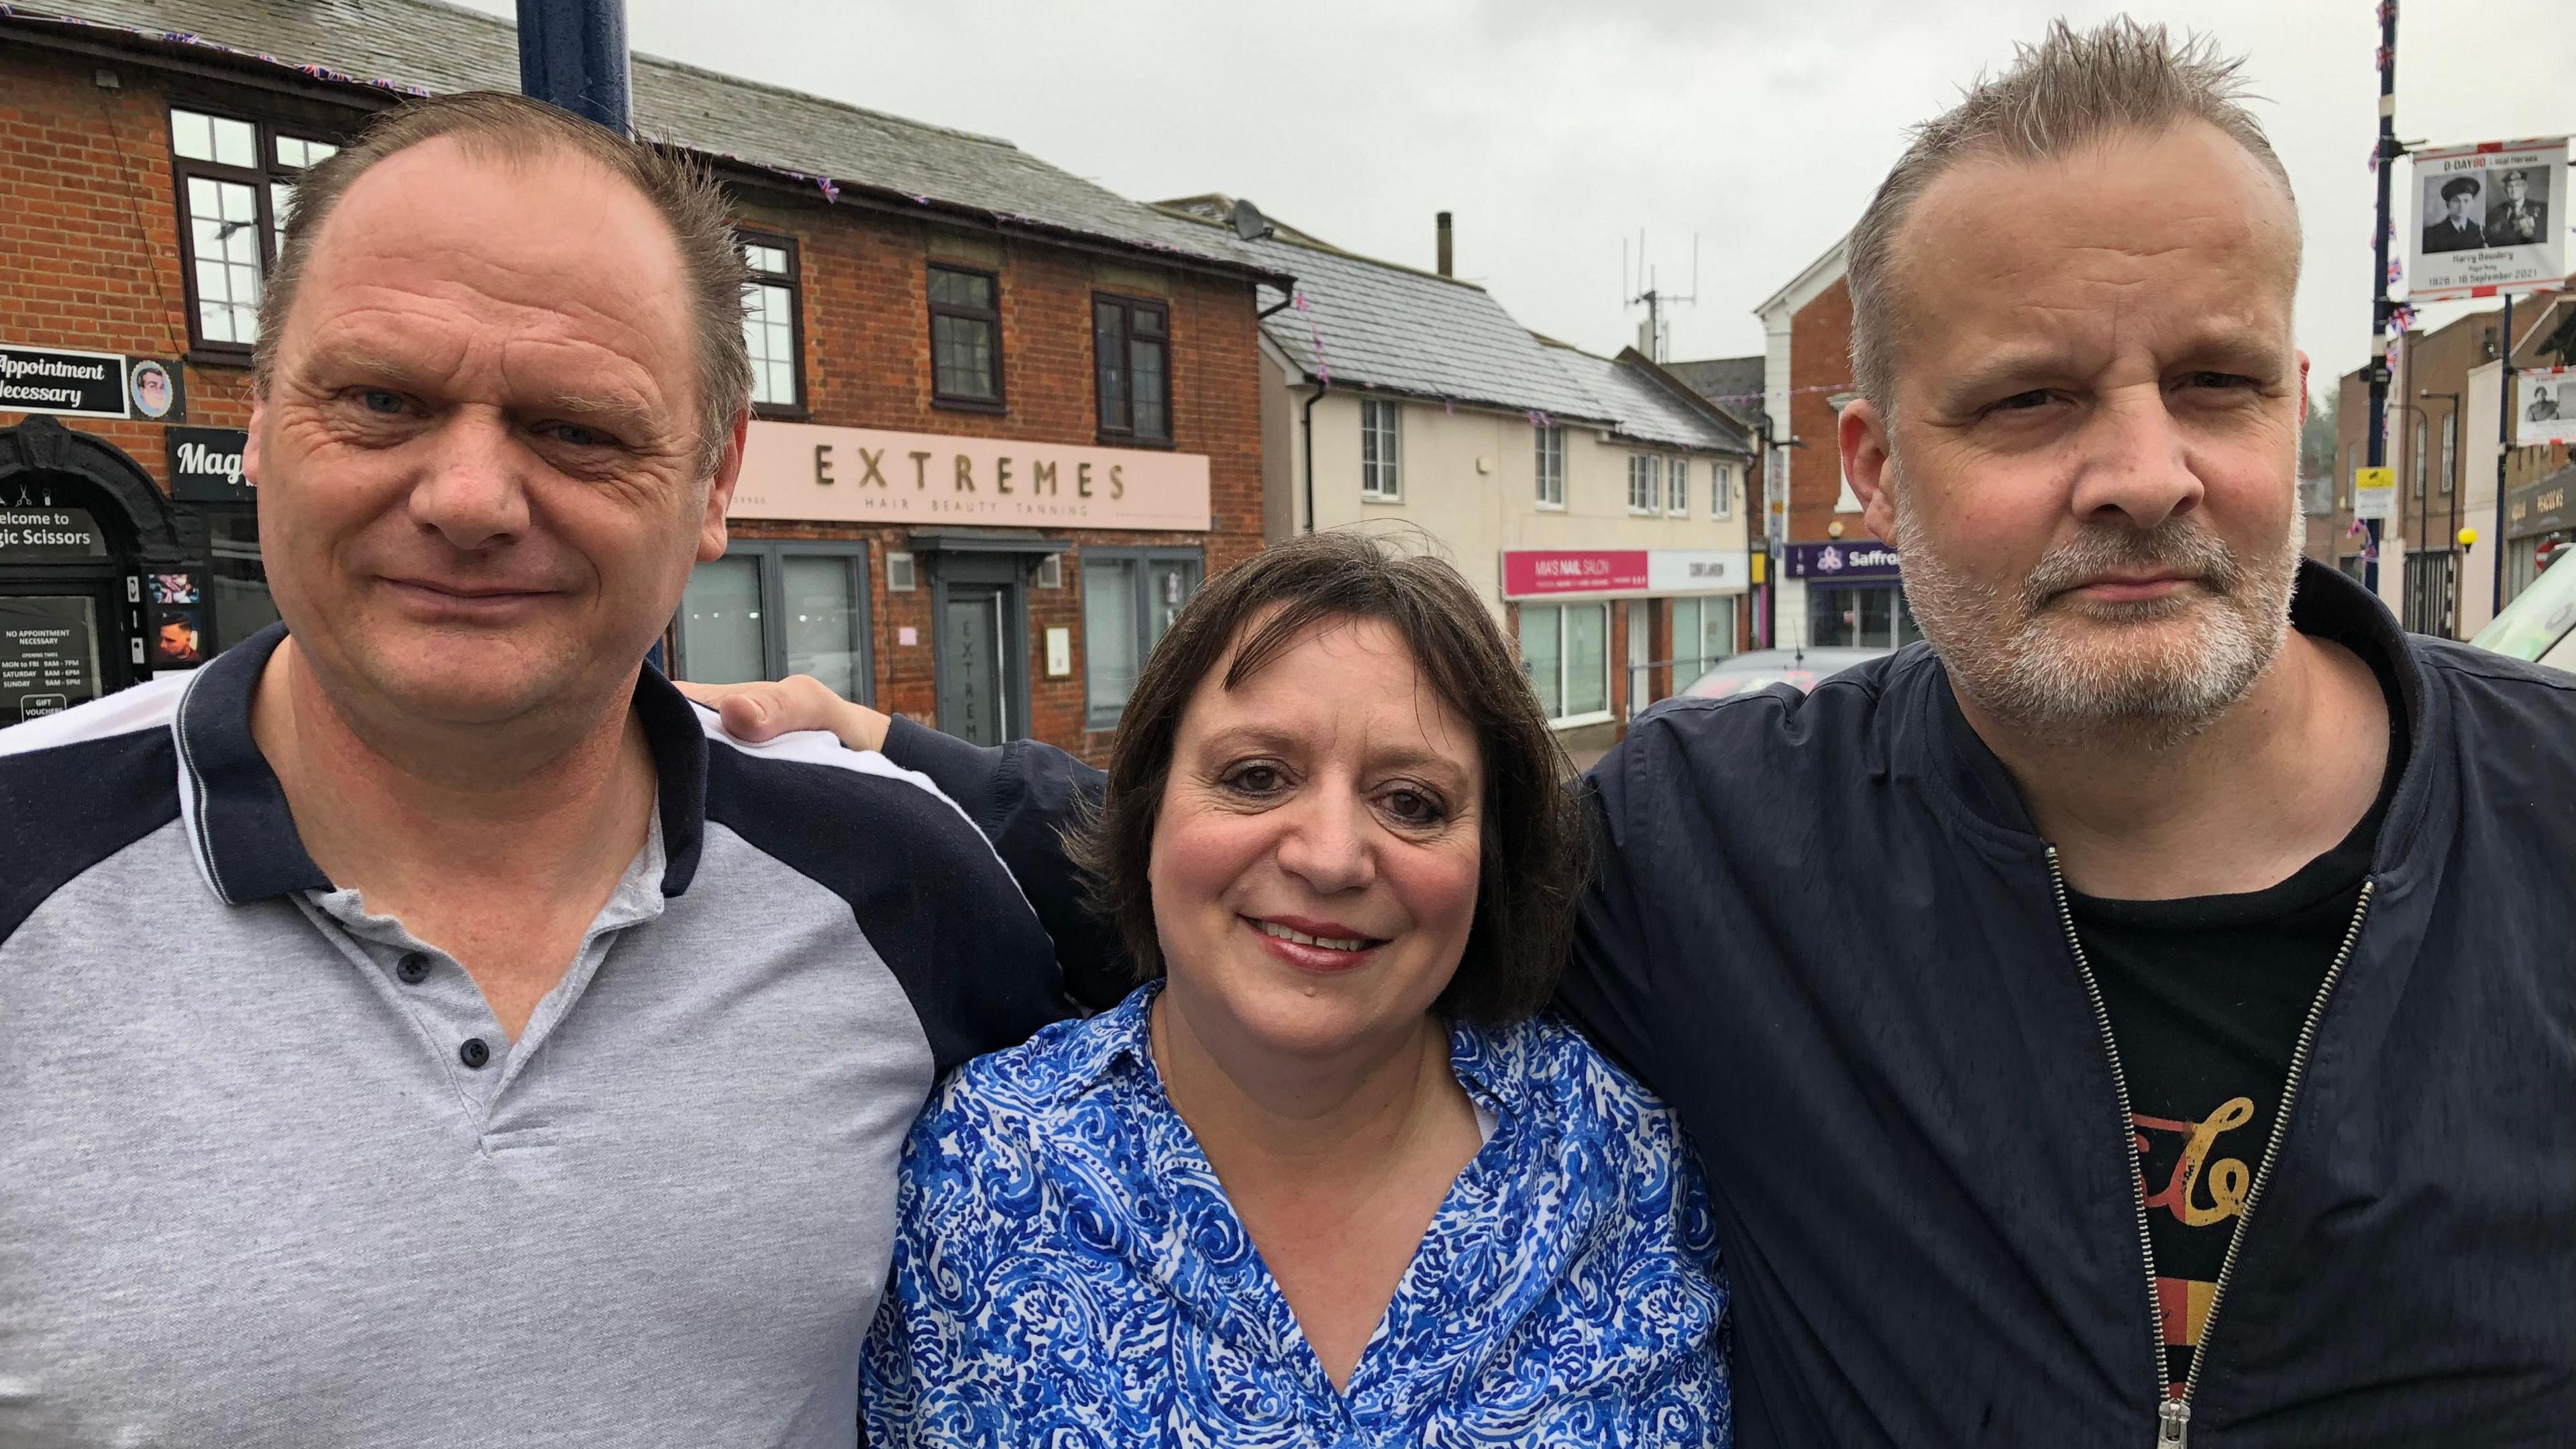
x,y
418,1027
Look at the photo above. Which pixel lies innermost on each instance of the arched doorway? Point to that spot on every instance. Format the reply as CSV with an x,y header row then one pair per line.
x,y
83,535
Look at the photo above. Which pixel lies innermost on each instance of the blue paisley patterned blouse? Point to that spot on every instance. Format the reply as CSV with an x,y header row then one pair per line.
x,y
1068,1272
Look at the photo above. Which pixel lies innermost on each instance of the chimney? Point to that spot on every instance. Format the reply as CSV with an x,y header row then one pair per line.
x,y
1444,244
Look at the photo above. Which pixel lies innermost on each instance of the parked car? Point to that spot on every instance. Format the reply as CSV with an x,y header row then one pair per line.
x,y
2540,623
1800,668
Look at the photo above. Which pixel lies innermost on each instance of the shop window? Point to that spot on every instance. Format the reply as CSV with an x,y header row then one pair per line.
x,y
1703,634
1131,352
1641,655
1551,467
1677,488
1381,451
1861,617
772,323
236,184
965,338
1565,650
239,581
768,610
1130,596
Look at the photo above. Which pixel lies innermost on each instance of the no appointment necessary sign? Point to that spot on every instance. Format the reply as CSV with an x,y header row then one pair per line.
x,y
50,380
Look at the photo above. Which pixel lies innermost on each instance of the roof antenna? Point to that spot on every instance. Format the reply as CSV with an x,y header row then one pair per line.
x,y
1655,334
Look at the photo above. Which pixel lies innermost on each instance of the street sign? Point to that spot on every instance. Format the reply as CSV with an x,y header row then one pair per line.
x,y
2374,493
2489,219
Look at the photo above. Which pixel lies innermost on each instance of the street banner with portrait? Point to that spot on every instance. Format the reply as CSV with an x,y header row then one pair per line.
x,y
2489,219
2544,406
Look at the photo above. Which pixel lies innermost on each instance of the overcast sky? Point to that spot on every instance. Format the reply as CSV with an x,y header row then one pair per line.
x,y
1555,130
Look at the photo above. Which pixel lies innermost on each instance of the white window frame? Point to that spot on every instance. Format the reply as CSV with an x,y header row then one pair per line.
x,y
1381,450
773,324
1549,451
1564,656
1677,473
1721,490
1645,484
203,165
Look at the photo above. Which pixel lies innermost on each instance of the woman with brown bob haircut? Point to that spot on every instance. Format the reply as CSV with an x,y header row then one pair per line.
x,y
1326,1175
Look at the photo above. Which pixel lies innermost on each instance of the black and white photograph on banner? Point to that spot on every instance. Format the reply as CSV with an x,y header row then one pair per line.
x,y
2546,407
2518,216
2489,219
2457,205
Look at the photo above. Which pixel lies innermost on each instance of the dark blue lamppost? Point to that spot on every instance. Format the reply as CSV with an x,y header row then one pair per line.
x,y
573,53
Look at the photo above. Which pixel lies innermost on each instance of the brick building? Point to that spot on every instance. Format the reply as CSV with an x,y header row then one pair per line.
x,y
1006,422
2444,415
1833,584
1596,503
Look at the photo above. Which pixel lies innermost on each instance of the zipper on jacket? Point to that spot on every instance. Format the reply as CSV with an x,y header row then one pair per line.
x,y
2173,1411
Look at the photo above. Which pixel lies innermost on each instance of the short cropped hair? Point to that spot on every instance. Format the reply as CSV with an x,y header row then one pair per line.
x,y
1534,848
495,125
2058,96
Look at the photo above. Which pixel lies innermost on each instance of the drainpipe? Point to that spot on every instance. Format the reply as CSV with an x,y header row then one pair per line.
x,y
1312,398
572,53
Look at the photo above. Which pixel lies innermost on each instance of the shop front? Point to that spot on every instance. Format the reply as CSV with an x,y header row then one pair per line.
x,y
91,572
1846,595
1606,632
996,588
2539,527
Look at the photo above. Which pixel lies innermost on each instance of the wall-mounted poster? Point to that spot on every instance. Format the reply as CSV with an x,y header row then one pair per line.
x,y
2489,219
2545,406
48,655
153,387
178,620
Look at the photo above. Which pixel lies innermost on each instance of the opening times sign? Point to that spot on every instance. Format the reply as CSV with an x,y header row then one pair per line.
x,y
2489,219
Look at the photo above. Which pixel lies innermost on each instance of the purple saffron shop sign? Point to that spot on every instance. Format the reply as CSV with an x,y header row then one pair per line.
x,y
1862,561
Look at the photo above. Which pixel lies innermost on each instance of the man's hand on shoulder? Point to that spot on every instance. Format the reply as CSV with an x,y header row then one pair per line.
x,y
764,710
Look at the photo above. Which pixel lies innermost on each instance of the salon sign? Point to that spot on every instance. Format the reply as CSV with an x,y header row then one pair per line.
x,y
809,472
1537,573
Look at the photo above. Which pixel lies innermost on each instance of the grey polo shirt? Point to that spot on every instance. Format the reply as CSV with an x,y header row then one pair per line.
x,y
271,1174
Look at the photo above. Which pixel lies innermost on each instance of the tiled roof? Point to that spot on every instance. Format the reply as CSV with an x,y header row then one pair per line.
x,y
1643,407
1374,324
1371,324
426,46
1733,383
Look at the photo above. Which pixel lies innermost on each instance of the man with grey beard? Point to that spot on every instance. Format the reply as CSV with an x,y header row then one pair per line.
x,y
2146,1012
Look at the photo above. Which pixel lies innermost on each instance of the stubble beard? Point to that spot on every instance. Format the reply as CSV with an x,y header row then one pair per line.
x,y
2150,674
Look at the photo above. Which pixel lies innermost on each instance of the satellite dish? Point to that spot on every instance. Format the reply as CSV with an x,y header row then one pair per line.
x,y
1249,223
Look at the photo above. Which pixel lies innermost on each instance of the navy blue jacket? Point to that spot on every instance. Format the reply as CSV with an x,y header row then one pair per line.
x,y
1826,931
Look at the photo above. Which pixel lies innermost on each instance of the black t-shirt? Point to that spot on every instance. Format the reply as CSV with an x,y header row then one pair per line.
x,y
2206,998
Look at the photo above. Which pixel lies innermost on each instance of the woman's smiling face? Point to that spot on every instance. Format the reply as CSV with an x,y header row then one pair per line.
x,y
1316,857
